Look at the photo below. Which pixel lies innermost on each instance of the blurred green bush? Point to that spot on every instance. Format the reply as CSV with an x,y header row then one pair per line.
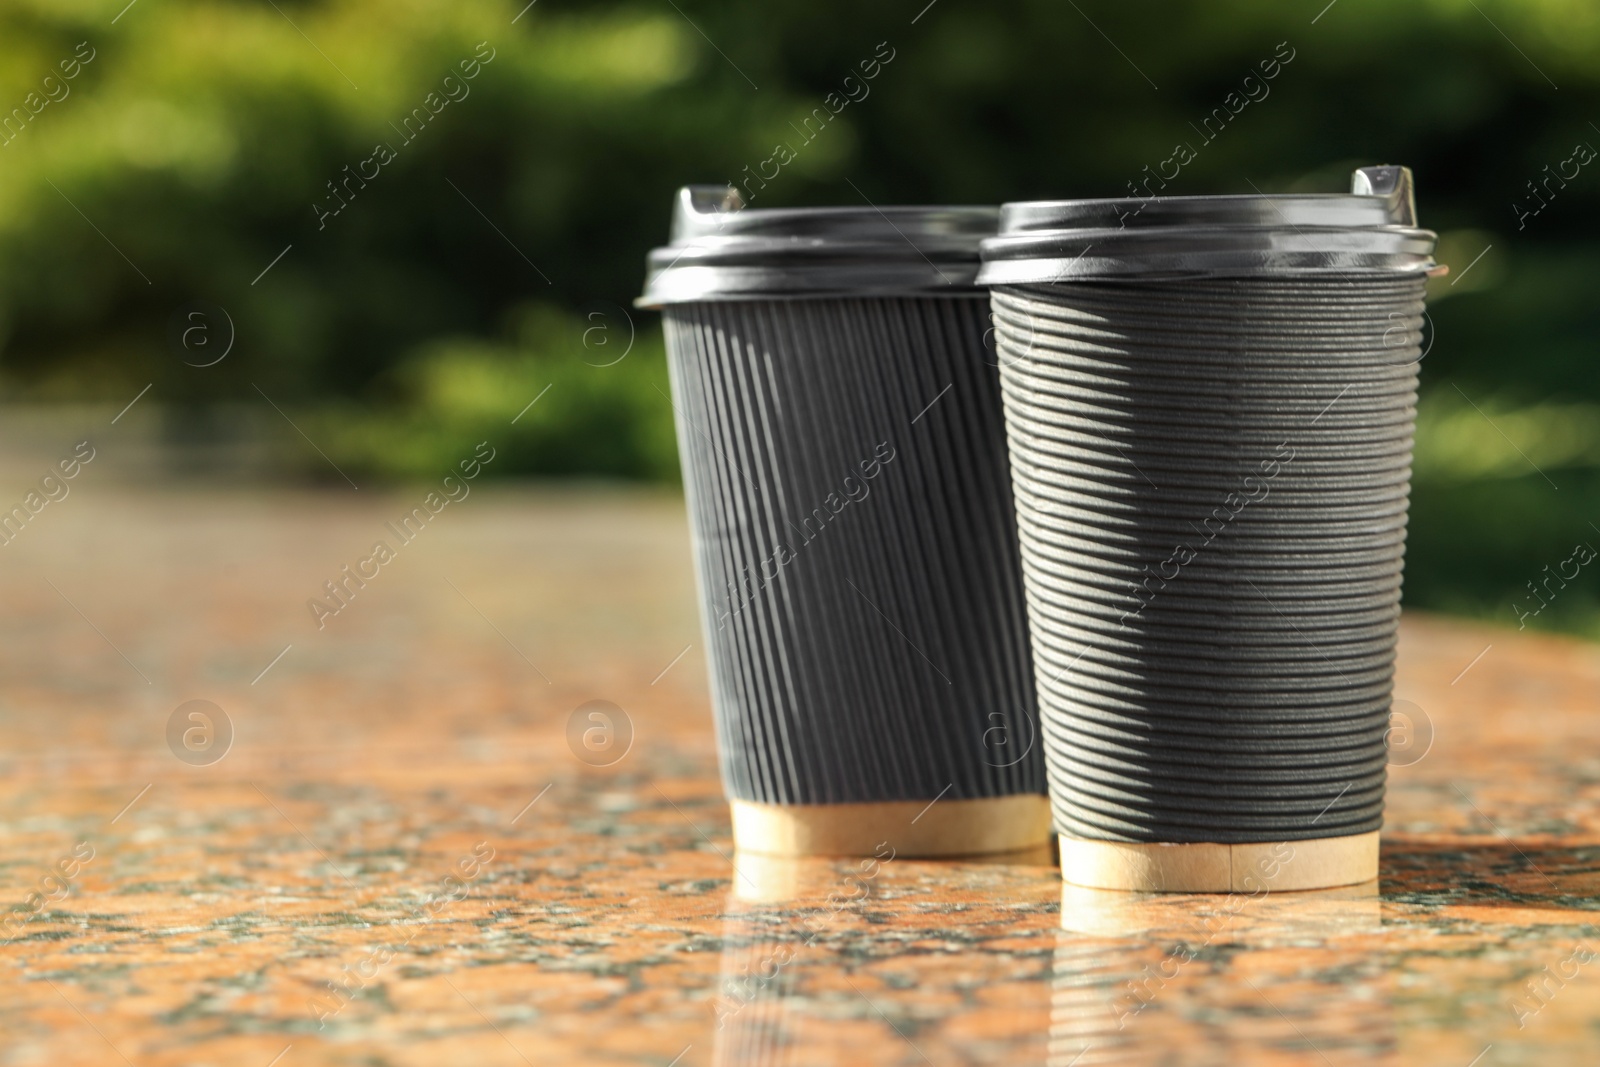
x,y
200,147
550,404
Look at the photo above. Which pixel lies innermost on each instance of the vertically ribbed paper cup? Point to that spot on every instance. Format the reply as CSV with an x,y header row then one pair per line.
x,y
845,468
1209,403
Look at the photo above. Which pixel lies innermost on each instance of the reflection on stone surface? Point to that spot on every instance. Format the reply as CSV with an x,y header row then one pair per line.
x,y
1206,917
776,879
754,1024
1221,979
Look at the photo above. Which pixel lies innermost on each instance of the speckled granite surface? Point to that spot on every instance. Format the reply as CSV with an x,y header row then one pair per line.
x,y
400,859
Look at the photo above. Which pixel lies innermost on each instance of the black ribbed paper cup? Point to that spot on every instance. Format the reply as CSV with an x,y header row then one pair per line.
x,y
845,469
1209,403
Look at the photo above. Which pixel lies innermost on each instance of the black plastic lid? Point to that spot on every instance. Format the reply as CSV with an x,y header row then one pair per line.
x,y
1371,229
722,250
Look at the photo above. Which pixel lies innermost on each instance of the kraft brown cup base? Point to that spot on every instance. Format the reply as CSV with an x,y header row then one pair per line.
x,y
913,828
1318,863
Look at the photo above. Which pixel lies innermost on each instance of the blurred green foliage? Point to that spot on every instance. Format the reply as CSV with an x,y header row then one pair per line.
x,y
551,403
462,278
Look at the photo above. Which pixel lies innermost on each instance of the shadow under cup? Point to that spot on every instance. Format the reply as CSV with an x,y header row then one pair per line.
x,y
849,497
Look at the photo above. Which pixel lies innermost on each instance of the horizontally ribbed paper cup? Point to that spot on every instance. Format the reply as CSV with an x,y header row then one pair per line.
x,y
845,469
1209,403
